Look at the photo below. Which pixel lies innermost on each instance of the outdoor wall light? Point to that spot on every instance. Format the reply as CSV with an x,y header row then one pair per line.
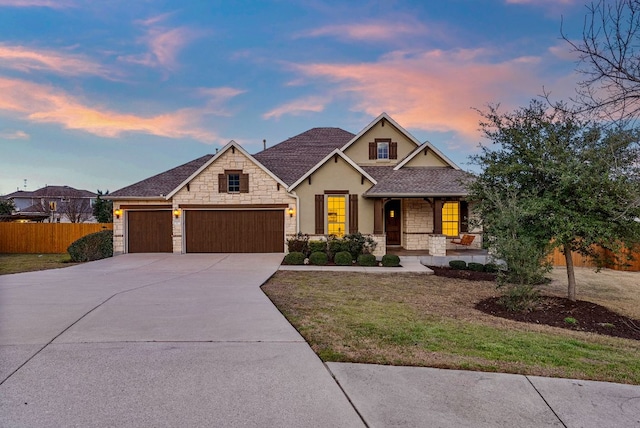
x,y
176,213
290,212
118,212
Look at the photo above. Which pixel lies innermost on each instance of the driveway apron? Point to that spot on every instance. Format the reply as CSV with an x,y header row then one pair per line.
x,y
158,340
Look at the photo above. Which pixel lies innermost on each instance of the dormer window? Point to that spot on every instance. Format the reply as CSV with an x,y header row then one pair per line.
x,y
383,149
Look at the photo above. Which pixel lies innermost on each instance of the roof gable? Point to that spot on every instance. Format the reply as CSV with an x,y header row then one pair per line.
x,y
231,145
381,118
426,146
294,157
339,153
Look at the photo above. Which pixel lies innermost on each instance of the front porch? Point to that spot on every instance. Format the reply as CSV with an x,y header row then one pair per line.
x,y
468,255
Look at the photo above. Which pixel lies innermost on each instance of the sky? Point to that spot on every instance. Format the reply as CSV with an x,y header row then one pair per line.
x,y
99,95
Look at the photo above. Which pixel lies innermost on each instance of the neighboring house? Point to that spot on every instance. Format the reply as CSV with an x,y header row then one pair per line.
x,y
53,204
324,181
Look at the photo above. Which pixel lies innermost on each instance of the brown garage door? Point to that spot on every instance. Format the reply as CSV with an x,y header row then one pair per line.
x,y
237,231
149,232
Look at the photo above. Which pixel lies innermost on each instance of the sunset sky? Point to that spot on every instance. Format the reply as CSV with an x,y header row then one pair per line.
x,y
98,95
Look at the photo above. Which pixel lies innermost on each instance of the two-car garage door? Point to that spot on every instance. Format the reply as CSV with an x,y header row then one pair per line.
x,y
208,231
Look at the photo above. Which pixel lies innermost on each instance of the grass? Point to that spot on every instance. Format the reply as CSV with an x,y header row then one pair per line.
x,y
17,263
418,320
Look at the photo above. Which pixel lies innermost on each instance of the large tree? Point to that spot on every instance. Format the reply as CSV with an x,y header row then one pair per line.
x,y
6,207
572,183
103,208
609,54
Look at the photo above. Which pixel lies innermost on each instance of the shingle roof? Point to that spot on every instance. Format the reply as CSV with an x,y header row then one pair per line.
x,y
420,181
292,158
52,192
163,183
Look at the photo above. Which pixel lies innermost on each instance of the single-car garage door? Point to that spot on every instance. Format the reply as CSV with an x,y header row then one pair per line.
x,y
234,231
149,231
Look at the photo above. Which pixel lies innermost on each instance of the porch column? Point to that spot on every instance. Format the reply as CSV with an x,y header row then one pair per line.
x,y
437,216
378,217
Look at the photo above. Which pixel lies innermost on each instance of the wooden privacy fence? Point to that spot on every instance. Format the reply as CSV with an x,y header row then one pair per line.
x,y
53,238
581,261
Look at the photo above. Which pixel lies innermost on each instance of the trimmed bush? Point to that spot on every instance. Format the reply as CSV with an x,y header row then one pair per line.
x,y
390,260
357,243
367,260
343,258
491,268
317,246
318,258
294,258
298,244
476,267
458,264
336,245
94,246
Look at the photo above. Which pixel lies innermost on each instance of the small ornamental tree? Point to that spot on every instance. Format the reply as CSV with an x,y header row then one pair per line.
x,y
568,182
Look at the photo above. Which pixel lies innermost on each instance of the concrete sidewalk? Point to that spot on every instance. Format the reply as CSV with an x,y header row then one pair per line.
x,y
191,340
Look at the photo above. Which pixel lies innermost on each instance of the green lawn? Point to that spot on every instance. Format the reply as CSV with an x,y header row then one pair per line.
x,y
419,320
16,263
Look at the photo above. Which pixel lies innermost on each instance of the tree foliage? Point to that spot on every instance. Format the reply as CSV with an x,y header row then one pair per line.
x,y
6,207
103,209
609,55
552,179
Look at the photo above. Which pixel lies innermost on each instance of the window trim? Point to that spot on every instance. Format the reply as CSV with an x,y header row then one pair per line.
x,y
451,222
345,216
383,147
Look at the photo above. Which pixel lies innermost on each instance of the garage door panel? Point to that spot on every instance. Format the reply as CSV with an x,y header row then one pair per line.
x,y
149,232
234,231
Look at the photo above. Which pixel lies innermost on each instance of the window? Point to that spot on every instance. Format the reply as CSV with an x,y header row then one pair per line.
x,y
383,150
450,218
336,215
233,183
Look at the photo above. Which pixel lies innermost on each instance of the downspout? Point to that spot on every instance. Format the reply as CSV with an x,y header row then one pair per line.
x,y
297,198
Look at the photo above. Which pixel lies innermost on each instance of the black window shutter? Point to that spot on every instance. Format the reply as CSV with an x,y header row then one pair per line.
x,y
353,213
222,183
319,214
373,151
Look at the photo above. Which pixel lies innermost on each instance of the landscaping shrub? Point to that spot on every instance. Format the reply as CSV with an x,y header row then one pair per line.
x,y
294,258
94,246
357,243
336,245
318,258
299,244
476,267
458,264
343,258
491,268
520,298
390,260
367,260
317,246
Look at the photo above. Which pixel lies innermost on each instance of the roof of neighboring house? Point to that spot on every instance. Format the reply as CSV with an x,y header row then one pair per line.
x,y
52,192
420,181
161,184
294,157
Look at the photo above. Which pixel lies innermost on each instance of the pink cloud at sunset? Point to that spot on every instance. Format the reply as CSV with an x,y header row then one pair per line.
x,y
296,107
434,90
373,31
53,4
14,135
39,103
27,60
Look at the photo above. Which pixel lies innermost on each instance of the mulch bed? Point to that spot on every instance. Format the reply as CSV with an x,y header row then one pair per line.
x,y
553,311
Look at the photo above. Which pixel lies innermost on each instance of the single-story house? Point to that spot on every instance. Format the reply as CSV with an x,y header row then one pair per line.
x,y
325,181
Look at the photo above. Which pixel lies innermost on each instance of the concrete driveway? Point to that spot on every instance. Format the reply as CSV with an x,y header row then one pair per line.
x,y
158,340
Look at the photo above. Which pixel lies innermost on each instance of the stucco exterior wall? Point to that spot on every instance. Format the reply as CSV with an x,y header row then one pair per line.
x,y
203,190
359,150
334,175
428,159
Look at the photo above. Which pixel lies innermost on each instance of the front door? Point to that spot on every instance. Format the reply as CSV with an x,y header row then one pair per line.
x,y
392,222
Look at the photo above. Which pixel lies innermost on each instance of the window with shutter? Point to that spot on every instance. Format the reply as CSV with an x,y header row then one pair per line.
x,y
393,150
353,213
319,214
373,151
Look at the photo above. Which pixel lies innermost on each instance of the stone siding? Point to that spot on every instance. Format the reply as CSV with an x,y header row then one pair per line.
x,y
417,224
119,223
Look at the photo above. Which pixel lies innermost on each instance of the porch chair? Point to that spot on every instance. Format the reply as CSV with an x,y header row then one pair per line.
x,y
466,240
